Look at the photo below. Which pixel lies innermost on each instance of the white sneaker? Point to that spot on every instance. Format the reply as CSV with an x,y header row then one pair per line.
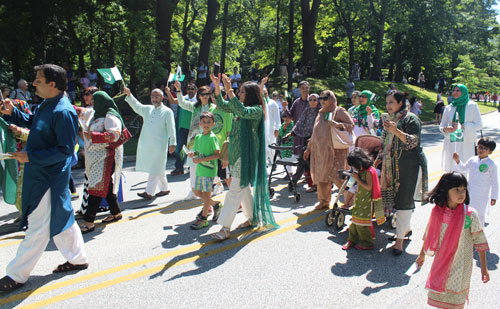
x,y
191,196
219,188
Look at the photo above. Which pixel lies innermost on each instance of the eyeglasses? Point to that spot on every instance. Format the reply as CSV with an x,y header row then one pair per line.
x,y
324,98
87,93
191,88
204,94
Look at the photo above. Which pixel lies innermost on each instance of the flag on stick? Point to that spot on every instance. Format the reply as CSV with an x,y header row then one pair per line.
x,y
177,76
110,75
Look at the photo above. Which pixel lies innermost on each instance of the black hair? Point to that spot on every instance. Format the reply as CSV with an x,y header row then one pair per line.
x,y
439,195
198,96
207,115
252,94
359,159
54,73
413,100
488,143
399,97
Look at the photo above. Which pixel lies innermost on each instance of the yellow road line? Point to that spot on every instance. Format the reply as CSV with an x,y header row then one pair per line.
x,y
123,267
168,265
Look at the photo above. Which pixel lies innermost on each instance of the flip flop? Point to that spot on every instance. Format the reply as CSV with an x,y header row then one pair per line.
x,y
112,218
85,229
7,284
321,206
69,267
312,189
348,245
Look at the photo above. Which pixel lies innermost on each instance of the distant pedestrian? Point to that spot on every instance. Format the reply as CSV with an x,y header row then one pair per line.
x,y
349,89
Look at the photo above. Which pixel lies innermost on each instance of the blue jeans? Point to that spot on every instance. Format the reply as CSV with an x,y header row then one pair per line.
x,y
182,136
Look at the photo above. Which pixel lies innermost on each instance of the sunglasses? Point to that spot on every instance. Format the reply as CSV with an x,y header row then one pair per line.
x,y
204,94
325,98
363,96
87,93
191,89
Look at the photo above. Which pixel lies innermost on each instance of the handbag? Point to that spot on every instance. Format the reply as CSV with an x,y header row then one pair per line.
x,y
342,139
224,151
124,137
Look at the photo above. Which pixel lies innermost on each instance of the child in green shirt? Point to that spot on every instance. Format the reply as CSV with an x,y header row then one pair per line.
x,y
205,154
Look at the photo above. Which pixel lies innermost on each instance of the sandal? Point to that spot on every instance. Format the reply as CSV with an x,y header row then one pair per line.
x,y
348,245
244,225
7,284
407,236
86,229
223,234
69,267
321,206
112,218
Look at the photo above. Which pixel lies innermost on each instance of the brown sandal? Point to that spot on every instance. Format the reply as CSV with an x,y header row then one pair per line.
x,y
245,224
112,218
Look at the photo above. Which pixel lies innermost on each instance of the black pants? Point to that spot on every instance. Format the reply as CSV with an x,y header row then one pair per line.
x,y
72,188
95,201
304,165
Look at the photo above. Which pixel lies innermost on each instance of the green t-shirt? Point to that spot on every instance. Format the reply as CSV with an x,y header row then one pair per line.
x,y
205,146
223,123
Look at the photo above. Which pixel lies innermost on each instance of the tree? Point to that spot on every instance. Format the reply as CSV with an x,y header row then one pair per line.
x,y
164,12
309,18
380,28
224,37
208,30
186,27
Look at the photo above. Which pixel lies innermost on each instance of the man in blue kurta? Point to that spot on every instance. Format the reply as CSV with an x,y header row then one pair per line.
x,y
157,134
46,203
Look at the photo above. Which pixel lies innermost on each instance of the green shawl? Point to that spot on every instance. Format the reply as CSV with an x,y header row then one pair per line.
x,y
461,102
8,170
361,109
253,172
104,104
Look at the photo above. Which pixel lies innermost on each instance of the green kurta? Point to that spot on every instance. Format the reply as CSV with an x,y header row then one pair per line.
x,y
253,113
289,141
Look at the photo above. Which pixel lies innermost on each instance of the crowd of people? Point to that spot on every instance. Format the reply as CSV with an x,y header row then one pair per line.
x,y
222,131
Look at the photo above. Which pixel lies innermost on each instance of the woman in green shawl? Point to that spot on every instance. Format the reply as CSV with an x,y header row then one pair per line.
x,y
103,164
366,115
247,158
459,124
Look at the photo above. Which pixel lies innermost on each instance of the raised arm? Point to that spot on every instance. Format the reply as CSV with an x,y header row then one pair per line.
x,y
139,108
189,106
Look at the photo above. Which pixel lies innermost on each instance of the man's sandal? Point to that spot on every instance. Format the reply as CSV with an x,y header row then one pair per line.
x,y
7,284
86,229
223,234
69,267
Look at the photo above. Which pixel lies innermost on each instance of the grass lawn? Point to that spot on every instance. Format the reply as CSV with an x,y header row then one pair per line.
x,y
380,88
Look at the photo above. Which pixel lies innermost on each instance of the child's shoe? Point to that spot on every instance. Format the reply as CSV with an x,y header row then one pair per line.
x,y
199,223
198,216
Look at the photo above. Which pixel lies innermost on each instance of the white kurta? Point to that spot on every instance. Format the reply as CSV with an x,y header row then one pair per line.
x,y
483,183
158,132
471,124
272,123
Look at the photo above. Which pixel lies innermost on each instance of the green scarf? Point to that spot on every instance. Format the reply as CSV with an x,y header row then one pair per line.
x,y
361,109
8,170
460,103
104,104
253,172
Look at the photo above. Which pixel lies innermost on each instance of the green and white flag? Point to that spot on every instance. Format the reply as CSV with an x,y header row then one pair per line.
x,y
177,76
110,75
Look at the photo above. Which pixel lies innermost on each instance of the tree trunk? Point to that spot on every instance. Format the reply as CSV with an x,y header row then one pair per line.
x,y
186,26
309,19
290,44
208,31
377,60
132,70
16,70
398,58
76,40
277,48
224,37
164,13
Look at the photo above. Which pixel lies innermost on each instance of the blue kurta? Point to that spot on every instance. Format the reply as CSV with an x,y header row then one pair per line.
x,y
51,142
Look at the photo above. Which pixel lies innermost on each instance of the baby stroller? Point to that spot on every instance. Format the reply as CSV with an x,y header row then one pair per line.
x,y
279,160
336,215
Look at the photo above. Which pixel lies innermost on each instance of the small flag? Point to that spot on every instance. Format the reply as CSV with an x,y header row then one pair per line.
x,y
177,76
110,75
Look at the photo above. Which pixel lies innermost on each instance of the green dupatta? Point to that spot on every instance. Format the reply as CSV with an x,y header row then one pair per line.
x,y
253,172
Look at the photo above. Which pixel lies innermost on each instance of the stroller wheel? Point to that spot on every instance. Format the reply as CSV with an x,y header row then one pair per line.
x,y
339,221
271,192
297,197
330,217
392,221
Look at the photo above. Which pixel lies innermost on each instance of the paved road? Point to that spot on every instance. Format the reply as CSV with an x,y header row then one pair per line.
x,y
153,259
